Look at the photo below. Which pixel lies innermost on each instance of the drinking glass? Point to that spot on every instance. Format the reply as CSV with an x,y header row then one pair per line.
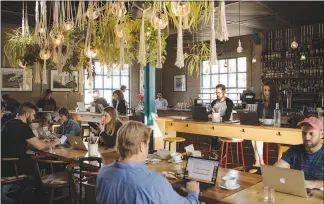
x,y
272,192
266,194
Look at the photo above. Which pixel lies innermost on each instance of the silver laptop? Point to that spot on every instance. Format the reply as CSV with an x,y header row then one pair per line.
x,y
81,107
284,180
77,143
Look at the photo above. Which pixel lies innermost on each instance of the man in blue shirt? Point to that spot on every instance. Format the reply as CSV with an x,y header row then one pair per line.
x,y
128,180
308,156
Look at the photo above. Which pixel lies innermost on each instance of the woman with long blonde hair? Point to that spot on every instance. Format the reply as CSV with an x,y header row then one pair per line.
x,y
109,127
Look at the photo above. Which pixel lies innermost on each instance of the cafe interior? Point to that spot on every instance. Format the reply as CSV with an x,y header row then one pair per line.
x,y
162,102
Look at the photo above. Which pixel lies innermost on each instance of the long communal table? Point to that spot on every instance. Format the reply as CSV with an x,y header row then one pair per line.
x,y
250,191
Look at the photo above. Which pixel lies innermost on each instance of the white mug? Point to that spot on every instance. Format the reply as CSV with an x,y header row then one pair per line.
x,y
93,149
216,118
176,157
228,181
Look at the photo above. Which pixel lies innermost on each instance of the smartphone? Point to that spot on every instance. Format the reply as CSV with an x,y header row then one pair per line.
x,y
63,139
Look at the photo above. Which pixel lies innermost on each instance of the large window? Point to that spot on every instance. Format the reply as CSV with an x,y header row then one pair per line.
x,y
108,84
230,72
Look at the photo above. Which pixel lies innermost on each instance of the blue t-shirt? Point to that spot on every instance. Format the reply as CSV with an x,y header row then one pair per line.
x,y
311,164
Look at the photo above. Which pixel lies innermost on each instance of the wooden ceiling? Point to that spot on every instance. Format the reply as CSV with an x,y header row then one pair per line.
x,y
256,16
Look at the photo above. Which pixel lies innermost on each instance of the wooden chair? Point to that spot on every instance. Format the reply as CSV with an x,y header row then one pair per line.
x,y
14,179
177,140
85,177
49,182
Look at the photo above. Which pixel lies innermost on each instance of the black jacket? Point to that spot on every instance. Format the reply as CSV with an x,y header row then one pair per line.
x,y
229,109
101,101
269,111
11,105
43,102
122,109
110,139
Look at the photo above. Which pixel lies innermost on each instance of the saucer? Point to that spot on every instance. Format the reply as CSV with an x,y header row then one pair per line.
x,y
237,186
176,162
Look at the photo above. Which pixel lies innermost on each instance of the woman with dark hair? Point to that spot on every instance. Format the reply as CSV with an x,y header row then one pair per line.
x,y
265,110
109,127
119,102
69,127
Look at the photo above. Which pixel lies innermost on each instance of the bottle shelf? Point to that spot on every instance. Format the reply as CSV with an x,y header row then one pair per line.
x,y
285,78
292,59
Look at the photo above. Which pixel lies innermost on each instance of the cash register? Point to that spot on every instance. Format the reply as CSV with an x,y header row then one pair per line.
x,y
247,97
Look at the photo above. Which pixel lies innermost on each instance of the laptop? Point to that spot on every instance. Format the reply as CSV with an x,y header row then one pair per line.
x,y
199,169
284,180
77,143
199,113
81,107
49,108
248,117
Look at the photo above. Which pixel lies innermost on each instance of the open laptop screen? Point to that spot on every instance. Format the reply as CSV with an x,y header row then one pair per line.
x,y
201,170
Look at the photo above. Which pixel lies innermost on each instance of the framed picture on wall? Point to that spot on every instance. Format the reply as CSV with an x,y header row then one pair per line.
x,y
14,79
180,83
64,82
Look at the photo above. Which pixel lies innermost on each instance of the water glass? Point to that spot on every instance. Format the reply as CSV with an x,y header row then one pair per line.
x,y
269,194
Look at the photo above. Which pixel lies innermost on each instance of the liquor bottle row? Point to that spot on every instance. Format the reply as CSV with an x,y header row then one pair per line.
x,y
284,69
281,54
300,86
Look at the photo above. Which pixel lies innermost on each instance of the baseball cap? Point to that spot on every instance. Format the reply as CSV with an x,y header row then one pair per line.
x,y
312,121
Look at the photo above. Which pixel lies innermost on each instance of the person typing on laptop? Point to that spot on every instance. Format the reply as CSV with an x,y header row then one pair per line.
x,y
309,156
47,100
130,176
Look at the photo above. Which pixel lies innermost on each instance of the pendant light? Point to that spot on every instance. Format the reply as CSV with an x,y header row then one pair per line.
x,y
254,60
239,48
303,57
294,44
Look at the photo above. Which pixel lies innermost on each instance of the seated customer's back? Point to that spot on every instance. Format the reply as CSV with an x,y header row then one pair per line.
x,y
128,180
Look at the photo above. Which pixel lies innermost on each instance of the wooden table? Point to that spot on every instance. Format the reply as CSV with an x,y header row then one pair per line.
x,y
254,195
211,196
92,117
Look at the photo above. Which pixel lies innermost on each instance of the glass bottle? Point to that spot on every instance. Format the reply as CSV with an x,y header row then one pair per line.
x,y
277,116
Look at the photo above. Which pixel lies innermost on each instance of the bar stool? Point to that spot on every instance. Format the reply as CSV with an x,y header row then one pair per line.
x,y
177,140
281,150
230,141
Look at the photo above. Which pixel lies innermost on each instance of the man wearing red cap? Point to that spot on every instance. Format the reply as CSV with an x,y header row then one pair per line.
x,y
309,156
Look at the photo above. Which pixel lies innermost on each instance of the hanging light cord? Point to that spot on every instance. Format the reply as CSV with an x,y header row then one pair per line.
x,y
239,20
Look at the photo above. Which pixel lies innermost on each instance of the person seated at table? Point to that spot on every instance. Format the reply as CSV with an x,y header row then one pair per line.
x,y
161,103
309,156
99,102
224,106
15,136
109,127
119,102
69,127
128,180
47,100
265,110
139,109
9,104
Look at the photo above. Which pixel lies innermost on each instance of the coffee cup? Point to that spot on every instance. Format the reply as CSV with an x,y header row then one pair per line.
x,y
216,118
228,181
176,157
93,149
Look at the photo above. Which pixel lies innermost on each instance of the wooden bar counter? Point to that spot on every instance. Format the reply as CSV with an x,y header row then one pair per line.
x,y
91,117
169,126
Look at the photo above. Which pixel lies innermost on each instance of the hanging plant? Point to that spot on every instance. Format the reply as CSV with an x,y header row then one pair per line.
x,y
198,53
15,46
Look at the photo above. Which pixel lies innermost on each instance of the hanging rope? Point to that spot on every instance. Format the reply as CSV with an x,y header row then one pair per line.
x,y
222,32
180,58
213,53
142,50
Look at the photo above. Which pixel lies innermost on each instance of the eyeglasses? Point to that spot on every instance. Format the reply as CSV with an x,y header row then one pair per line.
x,y
219,93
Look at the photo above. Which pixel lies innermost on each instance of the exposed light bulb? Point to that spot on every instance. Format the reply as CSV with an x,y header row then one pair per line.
x,y
303,57
239,48
180,8
254,60
68,25
95,14
45,54
90,53
294,44
225,64
159,20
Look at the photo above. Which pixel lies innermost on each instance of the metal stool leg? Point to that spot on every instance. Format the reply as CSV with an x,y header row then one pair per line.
x,y
242,153
226,153
267,153
221,158
230,144
170,146
237,154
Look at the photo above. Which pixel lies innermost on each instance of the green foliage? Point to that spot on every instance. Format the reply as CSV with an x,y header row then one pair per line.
x,y
198,53
15,46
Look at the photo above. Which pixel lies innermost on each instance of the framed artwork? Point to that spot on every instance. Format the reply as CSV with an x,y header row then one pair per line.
x,y
64,82
14,79
180,83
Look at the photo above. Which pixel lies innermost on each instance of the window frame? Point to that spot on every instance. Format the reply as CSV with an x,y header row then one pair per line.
x,y
211,93
104,77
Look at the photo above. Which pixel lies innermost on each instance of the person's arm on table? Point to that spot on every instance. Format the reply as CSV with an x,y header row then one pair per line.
x,y
314,184
39,145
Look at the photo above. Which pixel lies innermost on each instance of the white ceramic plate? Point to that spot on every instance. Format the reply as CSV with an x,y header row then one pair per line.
x,y
237,186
